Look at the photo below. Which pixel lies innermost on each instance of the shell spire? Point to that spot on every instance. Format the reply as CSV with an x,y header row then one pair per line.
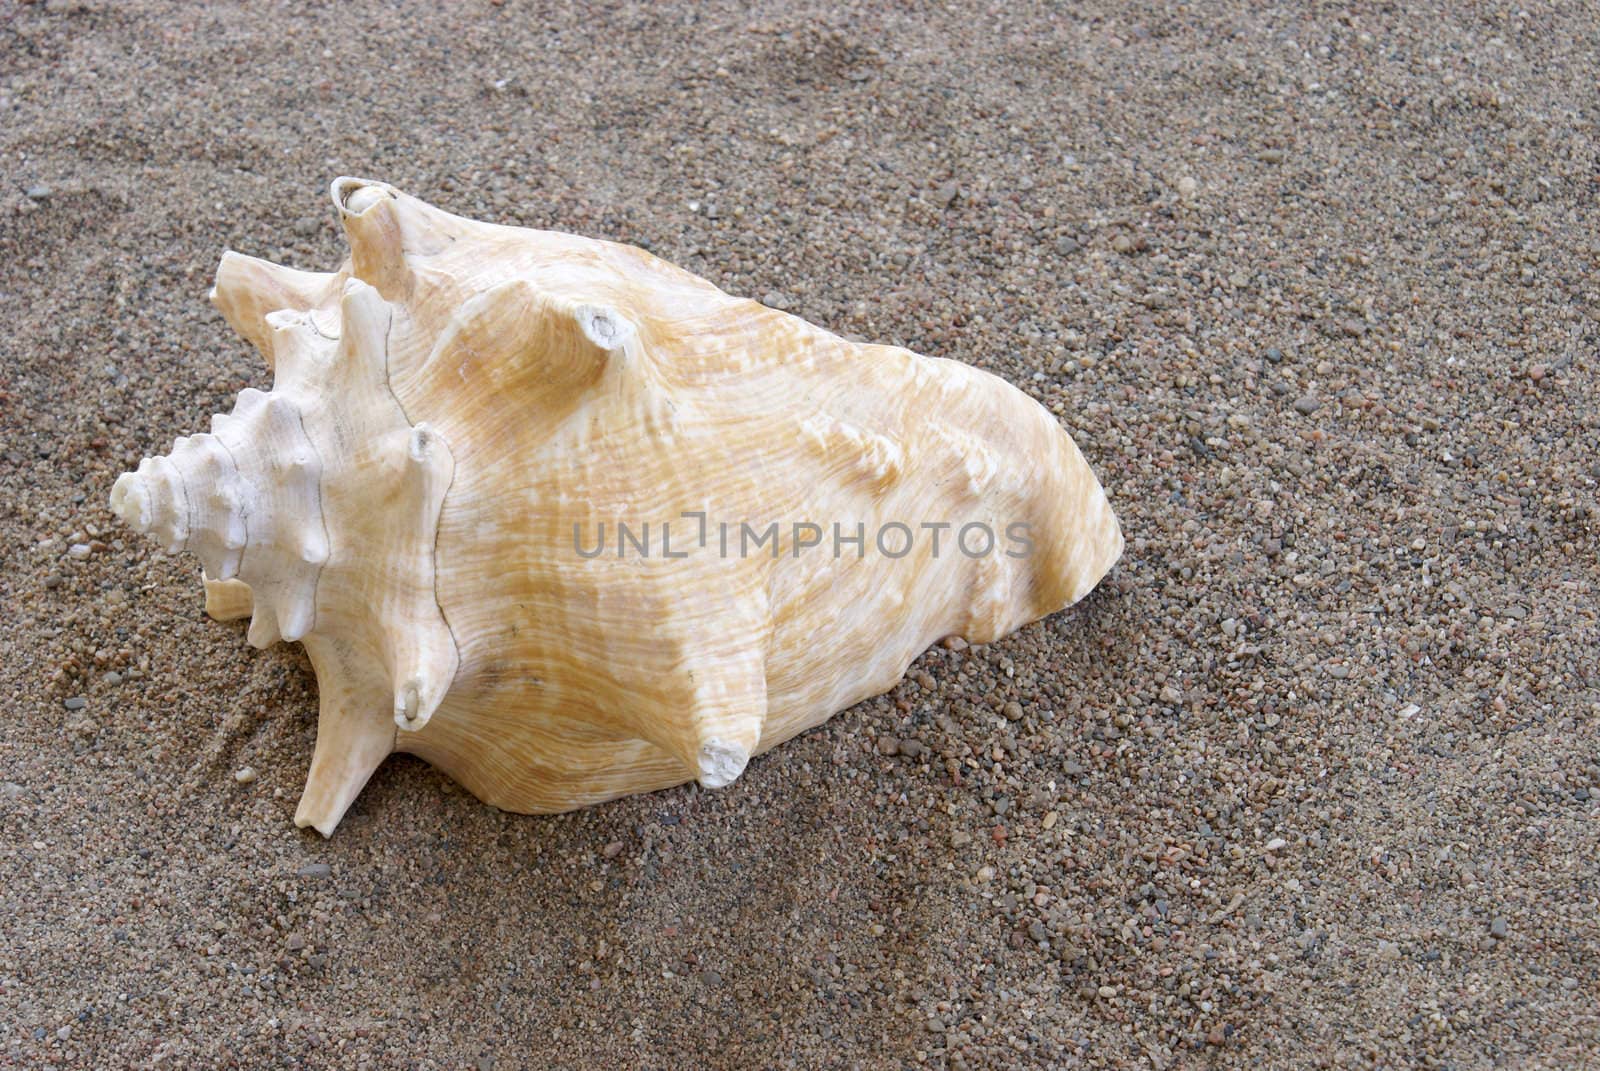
x,y
314,506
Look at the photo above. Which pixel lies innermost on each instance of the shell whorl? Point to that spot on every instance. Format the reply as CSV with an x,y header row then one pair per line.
x,y
314,506
245,499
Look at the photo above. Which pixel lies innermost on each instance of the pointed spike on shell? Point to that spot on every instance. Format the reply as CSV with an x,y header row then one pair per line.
x,y
368,211
418,444
364,336
419,693
352,741
296,620
517,340
249,400
715,724
300,349
263,632
313,547
721,763
248,290
408,705
603,326
356,196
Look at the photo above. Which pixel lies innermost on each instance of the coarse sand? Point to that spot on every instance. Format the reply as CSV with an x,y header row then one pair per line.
x,y
1312,780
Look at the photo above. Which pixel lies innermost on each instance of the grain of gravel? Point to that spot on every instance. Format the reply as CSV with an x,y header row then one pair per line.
x,y
1313,780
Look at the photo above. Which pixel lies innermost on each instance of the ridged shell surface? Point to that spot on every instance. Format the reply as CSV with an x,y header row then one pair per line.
x,y
570,522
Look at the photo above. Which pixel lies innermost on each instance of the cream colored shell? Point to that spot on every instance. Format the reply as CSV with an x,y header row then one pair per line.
x,y
463,412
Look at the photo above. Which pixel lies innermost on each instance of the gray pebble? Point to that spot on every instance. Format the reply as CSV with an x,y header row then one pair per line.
x,y
77,702
39,192
315,870
1307,405
1497,928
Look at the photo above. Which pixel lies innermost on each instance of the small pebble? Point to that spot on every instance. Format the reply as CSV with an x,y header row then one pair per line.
x,y
77,702
244,774
1306,405
315,870
1497,928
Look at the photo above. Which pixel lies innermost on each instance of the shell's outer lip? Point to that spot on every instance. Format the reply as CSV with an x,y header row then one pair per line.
x,y
721,762
130,501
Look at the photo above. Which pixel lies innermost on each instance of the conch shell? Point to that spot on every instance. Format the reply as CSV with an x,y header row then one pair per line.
x,y
571,523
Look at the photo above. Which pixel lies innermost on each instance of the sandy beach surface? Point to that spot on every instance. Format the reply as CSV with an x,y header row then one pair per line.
x,y
1312,780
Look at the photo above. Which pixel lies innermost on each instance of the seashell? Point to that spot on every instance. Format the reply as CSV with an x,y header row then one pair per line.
x,y
570,522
